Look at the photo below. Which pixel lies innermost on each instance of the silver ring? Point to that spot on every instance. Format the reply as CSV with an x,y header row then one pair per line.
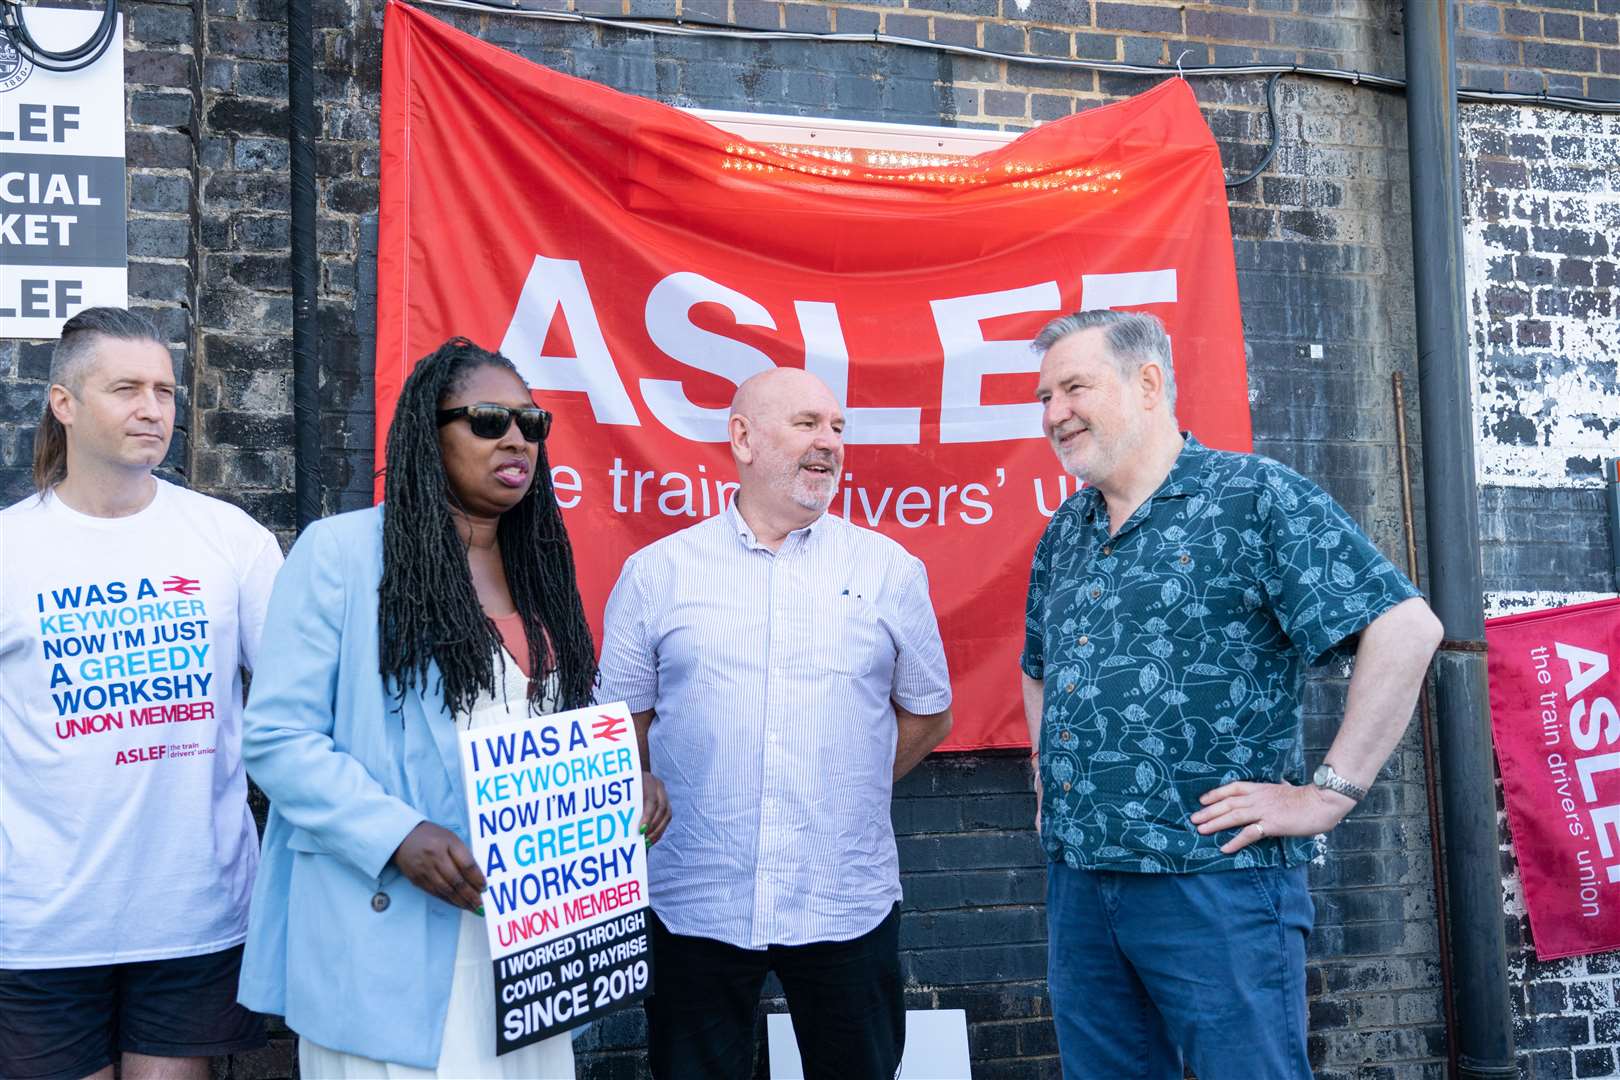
x,y
1261,829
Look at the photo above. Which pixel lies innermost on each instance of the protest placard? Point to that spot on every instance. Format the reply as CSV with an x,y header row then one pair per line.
x,y
554,804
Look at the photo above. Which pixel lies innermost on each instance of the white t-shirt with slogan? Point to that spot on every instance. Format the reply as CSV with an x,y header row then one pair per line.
x,y
125,833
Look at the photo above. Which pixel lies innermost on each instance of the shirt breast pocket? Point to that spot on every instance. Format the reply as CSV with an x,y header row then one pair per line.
x,y
846,636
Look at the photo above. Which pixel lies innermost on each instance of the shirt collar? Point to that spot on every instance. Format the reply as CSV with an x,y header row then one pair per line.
x,y
1188,469
746,535
1183,479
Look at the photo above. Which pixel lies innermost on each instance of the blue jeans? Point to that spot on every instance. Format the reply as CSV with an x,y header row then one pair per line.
x,y
1151,971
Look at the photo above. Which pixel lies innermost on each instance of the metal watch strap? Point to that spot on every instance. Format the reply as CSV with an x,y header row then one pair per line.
x,y
1334,782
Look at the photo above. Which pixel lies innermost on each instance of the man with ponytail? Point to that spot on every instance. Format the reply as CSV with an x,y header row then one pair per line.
x,y
128,608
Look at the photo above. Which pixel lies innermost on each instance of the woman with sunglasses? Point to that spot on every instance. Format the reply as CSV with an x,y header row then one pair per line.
x,y
387,629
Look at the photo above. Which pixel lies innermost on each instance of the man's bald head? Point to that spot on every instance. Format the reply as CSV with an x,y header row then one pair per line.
x,y
780,391
787,436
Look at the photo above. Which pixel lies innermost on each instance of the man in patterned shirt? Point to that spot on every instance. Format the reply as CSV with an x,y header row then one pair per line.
x,y
1174,604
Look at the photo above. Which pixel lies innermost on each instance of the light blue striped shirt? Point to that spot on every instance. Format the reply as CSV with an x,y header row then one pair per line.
x,y
773,678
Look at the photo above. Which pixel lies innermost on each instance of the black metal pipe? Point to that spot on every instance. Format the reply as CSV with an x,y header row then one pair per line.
x,y
1478,944
302,125
1431,778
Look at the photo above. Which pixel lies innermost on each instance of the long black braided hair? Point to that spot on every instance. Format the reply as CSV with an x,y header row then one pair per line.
x,y
428,608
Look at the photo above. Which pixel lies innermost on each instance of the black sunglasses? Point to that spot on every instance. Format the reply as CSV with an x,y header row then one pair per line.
x,y
492,421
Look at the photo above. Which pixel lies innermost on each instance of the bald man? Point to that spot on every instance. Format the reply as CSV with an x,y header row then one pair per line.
x,y
784,668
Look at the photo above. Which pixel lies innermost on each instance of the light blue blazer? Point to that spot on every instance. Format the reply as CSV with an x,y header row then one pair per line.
x,y
339,942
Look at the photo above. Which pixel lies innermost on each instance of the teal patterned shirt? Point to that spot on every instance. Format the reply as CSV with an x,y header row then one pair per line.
x,y
1173,654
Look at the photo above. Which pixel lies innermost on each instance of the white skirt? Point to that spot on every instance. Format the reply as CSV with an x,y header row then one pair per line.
x,y
468,1052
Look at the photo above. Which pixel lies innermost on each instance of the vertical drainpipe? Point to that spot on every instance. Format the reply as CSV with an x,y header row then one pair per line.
x,y
1478,944
307,495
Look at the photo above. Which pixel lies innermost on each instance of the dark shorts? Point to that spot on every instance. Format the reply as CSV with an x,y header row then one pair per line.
x,y
66,1023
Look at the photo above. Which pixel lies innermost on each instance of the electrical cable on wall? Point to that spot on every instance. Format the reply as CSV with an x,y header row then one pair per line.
x,y
684,28
1271,118
15,29
689,28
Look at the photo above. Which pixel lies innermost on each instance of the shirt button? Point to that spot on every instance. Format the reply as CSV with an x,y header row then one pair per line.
x,y
1096,593
1082,639
379,902
1185,559
1069,689
1108,550
1068,736
1066,785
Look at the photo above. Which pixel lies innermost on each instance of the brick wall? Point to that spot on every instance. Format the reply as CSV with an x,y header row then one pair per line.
x,y
1324,257
1543,208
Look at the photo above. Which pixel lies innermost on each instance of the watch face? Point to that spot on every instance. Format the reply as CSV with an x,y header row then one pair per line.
x,y
1323,774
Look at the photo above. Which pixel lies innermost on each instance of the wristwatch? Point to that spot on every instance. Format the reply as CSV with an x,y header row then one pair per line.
x,y
1325,777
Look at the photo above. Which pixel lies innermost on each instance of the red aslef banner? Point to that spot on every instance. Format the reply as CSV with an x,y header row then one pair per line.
x,y
637,263
1555,681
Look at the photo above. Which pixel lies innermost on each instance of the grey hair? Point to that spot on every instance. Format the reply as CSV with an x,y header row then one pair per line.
x,y
1134,338
70,361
